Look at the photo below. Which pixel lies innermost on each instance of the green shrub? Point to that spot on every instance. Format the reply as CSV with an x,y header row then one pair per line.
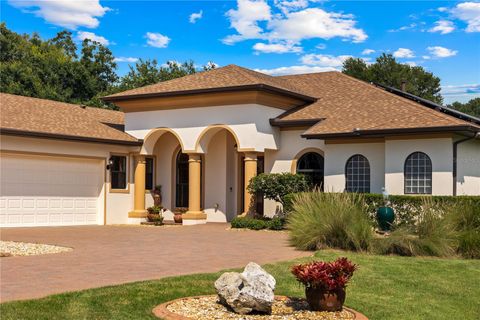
x,y
258,223
409,208
465,219
335,220
276,186
432,235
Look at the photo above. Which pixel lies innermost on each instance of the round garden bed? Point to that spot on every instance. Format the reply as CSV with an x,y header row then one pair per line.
x,y
284,308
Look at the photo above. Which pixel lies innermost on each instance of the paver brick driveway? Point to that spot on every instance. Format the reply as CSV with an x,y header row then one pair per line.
x,y
107,255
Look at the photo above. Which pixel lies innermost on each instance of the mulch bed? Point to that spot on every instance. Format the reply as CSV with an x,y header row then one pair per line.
x,y
284,308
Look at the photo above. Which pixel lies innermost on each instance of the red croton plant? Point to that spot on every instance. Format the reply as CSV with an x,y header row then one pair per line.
x,y
325,275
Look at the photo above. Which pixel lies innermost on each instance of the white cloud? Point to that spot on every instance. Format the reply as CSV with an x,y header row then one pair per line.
x,y
403,53
468,12
403,28
82,35
321,46
157,40
367,52
67,14
126,59
441,52
294,70
291,5
426,57
324,60
276,47
462,89
289,26
443,26
195,16
245,20
315,23
411,63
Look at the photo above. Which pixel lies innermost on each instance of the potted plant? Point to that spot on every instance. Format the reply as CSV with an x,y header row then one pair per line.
x,y
154,215
157,195
177,215
325,282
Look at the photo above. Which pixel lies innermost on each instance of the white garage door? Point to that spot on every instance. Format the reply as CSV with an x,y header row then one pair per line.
x,y
50,191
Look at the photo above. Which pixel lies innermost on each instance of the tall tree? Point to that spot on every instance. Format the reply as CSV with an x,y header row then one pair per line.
x,y
387,71
471,107
51,69
146,72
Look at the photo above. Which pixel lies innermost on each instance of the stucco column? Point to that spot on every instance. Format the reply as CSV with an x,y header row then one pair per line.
x,y
139,189
195,211
250,163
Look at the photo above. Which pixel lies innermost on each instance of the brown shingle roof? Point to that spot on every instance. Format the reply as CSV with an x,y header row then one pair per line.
x,y
345,104
46,117
230,76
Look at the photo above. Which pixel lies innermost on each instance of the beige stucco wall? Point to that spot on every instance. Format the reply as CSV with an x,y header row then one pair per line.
x,y
440,152
337,155
117,204
249,122
468,168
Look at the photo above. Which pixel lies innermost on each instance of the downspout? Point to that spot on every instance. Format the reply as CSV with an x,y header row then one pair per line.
x,y
455,147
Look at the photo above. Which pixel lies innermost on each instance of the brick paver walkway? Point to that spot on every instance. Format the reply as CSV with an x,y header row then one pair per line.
x,y
108,255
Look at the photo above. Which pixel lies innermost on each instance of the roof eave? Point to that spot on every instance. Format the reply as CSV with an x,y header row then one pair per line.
x,y
375,133
35,134
275,122
259,87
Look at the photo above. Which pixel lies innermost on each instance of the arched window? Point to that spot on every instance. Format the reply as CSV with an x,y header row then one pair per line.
x,y
181,180
418,174
311,165
357,174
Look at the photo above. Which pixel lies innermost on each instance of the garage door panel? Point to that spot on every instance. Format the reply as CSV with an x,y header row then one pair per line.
x,y
48,191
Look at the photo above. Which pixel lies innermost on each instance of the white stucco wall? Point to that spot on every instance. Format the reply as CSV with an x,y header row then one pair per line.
x,y
440,152
468,168
117,204
337,155
281,160
249,122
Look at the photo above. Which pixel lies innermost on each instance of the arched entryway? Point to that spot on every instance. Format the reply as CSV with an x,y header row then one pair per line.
x,y
311,164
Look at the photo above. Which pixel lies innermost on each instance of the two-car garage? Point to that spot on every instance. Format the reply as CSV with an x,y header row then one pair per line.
x,y
43,190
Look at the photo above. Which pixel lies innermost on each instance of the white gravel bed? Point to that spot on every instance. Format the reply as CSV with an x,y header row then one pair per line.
x,y
13,248
207,308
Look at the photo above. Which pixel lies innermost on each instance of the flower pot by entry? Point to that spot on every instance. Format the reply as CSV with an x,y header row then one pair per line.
x,y
321,299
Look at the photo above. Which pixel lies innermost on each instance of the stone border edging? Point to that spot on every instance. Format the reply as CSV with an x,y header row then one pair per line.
x,y
161,310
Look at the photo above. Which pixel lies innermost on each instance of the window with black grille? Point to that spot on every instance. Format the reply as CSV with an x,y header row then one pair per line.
x,y
357,174
418,174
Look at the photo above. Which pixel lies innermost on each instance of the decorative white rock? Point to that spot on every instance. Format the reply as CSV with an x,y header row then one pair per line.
x,y
251,290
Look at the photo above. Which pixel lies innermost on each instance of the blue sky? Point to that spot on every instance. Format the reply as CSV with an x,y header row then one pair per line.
x,y
275,37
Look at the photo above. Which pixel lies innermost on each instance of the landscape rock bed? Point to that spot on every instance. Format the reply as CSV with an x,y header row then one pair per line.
x,y
284,308
13,248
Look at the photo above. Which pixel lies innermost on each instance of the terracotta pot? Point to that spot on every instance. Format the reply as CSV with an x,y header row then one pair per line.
x,y
177,217
325,300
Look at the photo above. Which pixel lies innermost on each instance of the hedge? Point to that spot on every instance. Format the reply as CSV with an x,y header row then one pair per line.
x,y
258,223
407,208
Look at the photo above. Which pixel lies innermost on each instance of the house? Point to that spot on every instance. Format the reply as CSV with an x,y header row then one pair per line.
x,y
202,137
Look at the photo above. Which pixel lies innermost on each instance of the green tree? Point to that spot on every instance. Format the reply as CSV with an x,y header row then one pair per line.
x,y
51,69
277,186
146,72
387,71
471,107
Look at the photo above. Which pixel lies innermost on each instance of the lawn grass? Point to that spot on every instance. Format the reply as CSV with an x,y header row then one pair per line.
x,y
384,287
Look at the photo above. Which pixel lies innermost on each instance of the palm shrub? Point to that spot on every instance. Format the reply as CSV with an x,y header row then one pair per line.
x,y
334,220
432,235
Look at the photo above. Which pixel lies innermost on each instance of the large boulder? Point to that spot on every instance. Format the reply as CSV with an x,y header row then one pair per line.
x,y
251,290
